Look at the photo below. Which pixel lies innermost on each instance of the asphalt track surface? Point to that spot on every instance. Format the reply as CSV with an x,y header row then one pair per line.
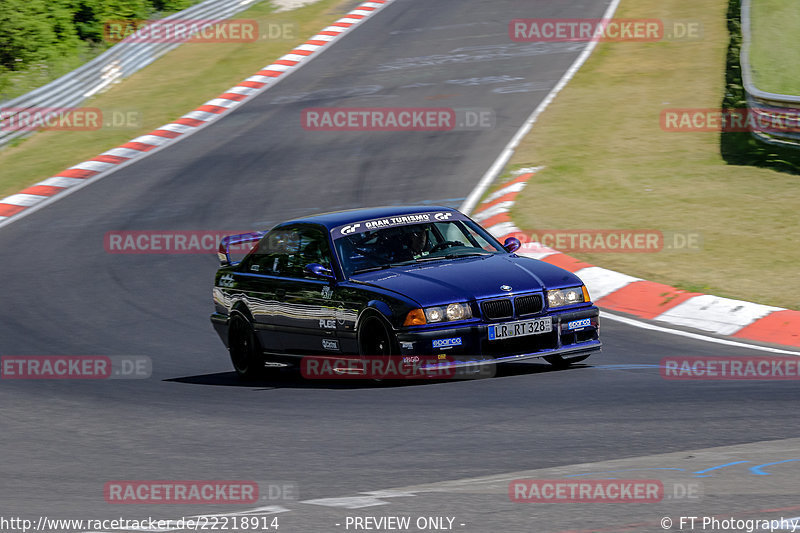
x,y
193,420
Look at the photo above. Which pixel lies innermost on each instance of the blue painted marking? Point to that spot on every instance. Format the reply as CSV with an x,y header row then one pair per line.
x,y
717,468
756,470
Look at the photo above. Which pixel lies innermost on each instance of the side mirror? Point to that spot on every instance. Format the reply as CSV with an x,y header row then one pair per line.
x,y
512,244
320,271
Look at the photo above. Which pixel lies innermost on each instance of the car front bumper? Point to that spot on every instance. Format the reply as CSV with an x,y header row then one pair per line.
x,y
470,344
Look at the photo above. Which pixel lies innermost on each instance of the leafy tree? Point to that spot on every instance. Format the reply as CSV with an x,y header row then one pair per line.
x,y
172,5
34,31
43,39
89,16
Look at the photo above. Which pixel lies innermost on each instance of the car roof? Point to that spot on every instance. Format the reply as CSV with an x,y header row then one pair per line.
x,y
338,218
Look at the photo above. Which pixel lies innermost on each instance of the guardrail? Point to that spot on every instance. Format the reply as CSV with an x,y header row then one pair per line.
x,y
113,65
775,117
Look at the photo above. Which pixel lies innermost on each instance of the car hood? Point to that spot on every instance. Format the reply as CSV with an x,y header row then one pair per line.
x,y
456,280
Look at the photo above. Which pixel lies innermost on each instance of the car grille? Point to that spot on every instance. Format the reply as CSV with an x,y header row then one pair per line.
x,y
527,305
494,309
503,308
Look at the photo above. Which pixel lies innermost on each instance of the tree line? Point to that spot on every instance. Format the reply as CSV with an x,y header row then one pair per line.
x,y
57,35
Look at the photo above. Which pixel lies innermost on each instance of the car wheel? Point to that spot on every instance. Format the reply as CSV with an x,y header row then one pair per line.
x,y
245,353
559,362
374,337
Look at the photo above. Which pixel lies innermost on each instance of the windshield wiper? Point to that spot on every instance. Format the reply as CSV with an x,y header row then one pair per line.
x,y
451,256
429,258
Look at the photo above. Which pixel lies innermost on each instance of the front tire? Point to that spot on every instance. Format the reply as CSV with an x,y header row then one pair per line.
x,y
374,337
245,351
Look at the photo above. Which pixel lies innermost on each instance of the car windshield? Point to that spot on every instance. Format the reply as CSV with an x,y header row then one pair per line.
x,y
377,249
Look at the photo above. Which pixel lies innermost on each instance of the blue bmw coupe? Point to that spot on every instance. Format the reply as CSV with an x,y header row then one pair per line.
x,y
396,281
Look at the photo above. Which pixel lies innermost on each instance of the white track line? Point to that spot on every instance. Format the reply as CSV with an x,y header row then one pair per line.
x,y
695,336
508,151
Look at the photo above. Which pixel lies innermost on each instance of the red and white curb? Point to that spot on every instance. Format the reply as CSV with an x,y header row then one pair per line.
x,y
645,299
54,187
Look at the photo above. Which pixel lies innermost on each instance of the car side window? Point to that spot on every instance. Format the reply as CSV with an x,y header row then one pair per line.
x,y
286,252
312,247
459,232
273,252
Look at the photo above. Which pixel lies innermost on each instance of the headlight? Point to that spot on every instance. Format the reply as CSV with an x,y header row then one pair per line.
x,y
434,314
456,312
445,313
562,297
448,313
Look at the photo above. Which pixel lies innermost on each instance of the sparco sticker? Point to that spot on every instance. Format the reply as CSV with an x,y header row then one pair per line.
x,y
447,343
579,324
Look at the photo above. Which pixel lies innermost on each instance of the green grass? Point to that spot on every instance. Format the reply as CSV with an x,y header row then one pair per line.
x,y
17,83
172,86
610,165
775,50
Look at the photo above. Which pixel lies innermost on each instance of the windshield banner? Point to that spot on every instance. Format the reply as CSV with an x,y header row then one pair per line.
x,y
394,221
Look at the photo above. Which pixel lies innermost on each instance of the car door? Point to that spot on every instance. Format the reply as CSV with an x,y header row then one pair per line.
x,y
261,277
307,308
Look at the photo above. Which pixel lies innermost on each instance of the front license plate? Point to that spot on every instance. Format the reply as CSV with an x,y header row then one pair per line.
x,y
521,328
